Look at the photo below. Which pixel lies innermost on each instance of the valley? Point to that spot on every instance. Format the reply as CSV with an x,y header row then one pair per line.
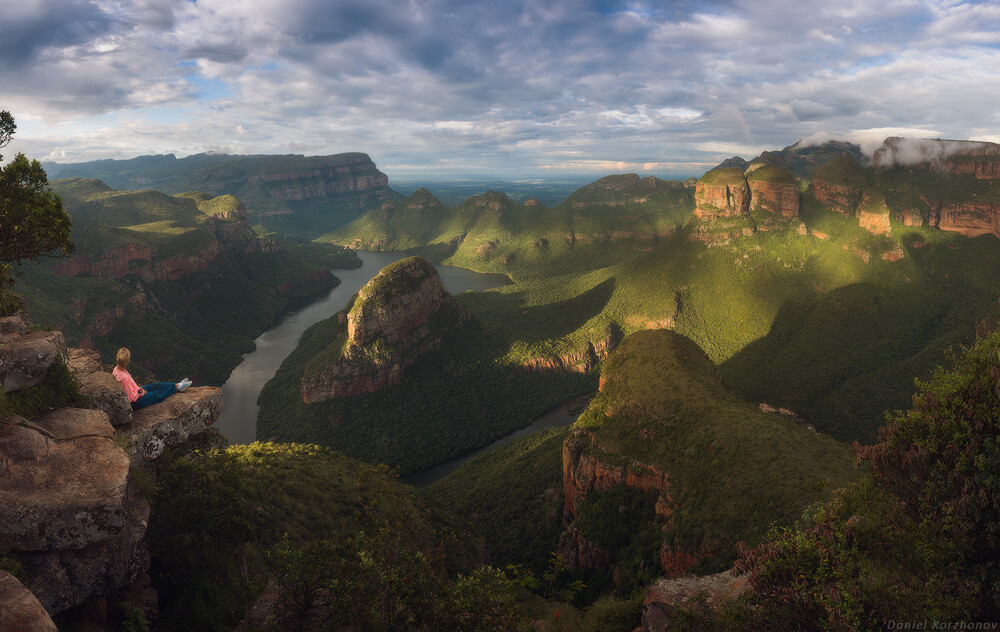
x,y
725,341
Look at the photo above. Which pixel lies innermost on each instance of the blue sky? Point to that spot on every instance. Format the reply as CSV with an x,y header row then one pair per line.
x,y
480,88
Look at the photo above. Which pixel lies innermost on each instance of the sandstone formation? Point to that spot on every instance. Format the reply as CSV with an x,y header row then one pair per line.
x,y
839,184
579,361
773,190
722,192
69,513
100,387
873,214
171,422
25,357
666,596
19,609
968,218
397,316
958,157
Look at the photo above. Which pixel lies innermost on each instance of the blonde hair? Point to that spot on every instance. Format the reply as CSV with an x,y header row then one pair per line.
x,y
123,358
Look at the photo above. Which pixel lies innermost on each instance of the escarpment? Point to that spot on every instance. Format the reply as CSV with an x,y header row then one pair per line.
x,y
400,314
697,463
730,203
71,515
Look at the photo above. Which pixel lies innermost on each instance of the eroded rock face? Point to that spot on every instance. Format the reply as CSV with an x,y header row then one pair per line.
x,y
666,595
399,315
839,185
958,157
775,197
969,219
25,357
68,511
722,193
174,420
20,611
104,391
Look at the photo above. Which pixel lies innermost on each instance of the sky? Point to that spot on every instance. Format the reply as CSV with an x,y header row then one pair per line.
x,y
493,88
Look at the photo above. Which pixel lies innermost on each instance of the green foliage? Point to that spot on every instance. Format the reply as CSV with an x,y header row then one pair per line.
x,y
614,614
723,176
34,222
734,470
12,565
60,389
133,619
514,496
426,419
770,173
917,539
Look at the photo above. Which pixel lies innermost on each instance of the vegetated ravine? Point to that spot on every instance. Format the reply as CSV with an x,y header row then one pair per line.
x,y
239,418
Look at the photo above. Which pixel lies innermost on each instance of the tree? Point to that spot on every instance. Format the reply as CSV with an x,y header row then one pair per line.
x,y
33,223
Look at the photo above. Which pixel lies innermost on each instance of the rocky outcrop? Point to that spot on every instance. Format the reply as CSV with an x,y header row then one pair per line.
x,y
957,157
69,514
143,262
722,192
839,185
400,314
175,420
773,190
667,597
579,361
579,553
969,219
584,470
19,609
25,356
873,214
100,387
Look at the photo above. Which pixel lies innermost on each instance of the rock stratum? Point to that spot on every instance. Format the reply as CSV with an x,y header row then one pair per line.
x,y
400,314
664,424
731,202
309,194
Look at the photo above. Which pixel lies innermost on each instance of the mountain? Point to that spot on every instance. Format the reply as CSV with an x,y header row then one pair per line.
x,y
181,280
293,194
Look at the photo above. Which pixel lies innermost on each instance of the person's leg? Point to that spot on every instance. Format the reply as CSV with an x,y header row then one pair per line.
x,y
155,393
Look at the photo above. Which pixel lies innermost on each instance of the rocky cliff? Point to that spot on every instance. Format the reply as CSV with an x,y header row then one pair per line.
x,y
722,192
958,157
664,425
840,185
400,314
71,516
774,190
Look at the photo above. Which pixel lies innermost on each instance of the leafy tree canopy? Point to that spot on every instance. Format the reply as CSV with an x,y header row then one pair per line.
x,y
32,220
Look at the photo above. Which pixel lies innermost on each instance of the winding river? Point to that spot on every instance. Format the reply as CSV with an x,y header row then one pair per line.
x,y
238,421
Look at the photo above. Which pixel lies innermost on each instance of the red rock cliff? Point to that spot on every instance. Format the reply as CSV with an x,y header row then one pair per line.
x,y
722,193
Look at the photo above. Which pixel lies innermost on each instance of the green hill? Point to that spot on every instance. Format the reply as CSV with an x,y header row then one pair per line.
x,y
182,280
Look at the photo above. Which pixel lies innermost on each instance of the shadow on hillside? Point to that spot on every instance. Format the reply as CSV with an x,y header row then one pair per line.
x,y
541,322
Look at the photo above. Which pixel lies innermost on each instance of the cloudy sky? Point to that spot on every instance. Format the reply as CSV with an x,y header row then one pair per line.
x,y
504,88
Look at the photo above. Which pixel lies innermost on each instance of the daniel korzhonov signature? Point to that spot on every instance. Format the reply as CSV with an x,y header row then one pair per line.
x,y
934,624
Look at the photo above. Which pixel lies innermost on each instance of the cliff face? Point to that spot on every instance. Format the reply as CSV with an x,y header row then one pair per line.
x,y
397,316
722,193
958,157
663,423
775,197
839,184
70,515
968,218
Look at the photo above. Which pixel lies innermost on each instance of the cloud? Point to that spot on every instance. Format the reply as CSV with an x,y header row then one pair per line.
x,y
504,87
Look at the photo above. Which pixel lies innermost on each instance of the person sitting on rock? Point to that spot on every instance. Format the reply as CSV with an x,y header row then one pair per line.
x,y
148,394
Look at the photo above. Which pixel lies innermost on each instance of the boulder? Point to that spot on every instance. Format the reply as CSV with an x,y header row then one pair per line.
x,y
103,390
667,595
20,611
69,514
172,421
62,482
25,359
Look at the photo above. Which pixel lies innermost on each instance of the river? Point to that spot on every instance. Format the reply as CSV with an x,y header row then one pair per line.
x,y
558,416
238,421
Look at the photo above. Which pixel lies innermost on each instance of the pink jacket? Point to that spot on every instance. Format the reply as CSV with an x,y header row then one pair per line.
x,y
131,388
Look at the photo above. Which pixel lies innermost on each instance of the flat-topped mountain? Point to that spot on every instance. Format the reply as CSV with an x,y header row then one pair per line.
x,y
303,195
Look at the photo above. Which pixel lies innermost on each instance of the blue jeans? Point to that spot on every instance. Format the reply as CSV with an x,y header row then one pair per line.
x,y
155,393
